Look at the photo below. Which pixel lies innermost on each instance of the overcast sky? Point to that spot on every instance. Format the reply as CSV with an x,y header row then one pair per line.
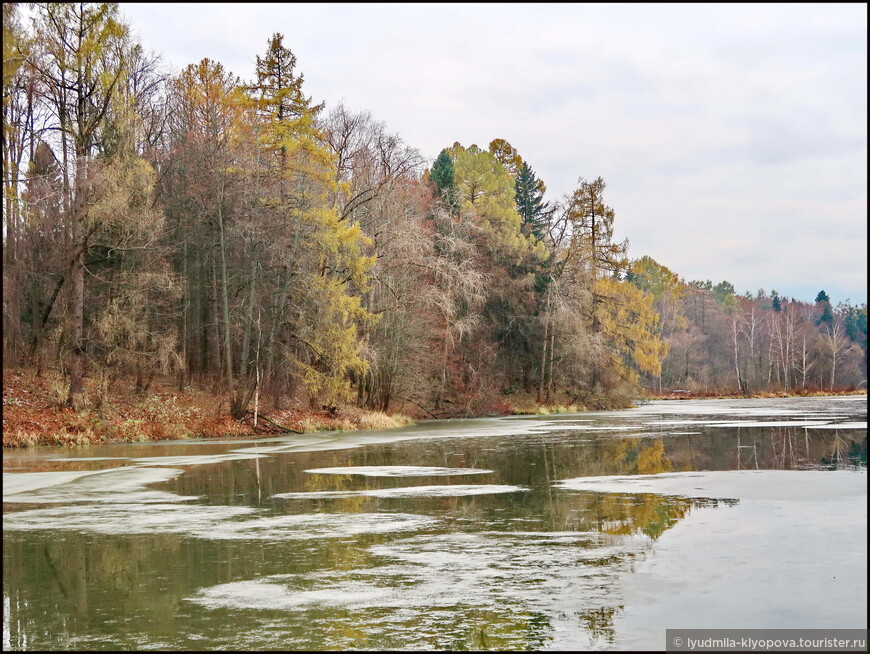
x,y
733,138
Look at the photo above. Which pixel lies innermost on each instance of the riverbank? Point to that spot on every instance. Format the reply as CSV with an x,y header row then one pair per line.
x,y
701,395
33,415
527,406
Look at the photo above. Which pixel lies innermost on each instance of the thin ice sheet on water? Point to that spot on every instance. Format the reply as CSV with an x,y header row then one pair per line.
x,y
731,484
398,471
284,447
558,427
496,570
321,525
572,421
459,490
802,407
472,428
23,482
770,423
266,594
739,423
210,522
115,485
126,518
194,459
88,458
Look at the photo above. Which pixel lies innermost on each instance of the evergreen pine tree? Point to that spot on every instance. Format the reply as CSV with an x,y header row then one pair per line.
x,y
530,204
442,175
827,315
850,324
824,302
776,301
724,293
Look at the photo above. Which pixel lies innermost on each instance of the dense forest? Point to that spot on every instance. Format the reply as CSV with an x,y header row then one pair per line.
x,y
240,236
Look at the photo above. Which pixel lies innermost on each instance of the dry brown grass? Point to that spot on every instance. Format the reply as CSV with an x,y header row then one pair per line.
x,y
380,420
711,395
525,404
33,414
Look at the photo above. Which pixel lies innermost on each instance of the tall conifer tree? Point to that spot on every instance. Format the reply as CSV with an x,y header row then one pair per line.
x,y
443,175
530,202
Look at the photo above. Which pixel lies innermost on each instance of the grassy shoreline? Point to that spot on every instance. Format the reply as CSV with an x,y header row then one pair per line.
x,y
33,414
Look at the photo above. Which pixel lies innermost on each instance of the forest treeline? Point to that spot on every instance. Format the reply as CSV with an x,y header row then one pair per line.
x,y
237,234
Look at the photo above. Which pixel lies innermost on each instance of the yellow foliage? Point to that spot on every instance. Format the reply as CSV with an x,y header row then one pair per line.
x,y
630,324
121,189
486,191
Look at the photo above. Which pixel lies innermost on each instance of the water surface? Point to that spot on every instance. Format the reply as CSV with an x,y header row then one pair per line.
x,y
595,530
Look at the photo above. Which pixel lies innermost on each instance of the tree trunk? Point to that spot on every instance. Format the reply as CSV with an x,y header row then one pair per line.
x,y
270,343
543,359
444,357
216,361
734,340
249,323
236,410
551,385
38,329
185,318
77,354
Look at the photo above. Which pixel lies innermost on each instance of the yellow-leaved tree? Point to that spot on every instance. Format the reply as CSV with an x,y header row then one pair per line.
x,y
668,293
629,326
485,190
314,257
602,329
